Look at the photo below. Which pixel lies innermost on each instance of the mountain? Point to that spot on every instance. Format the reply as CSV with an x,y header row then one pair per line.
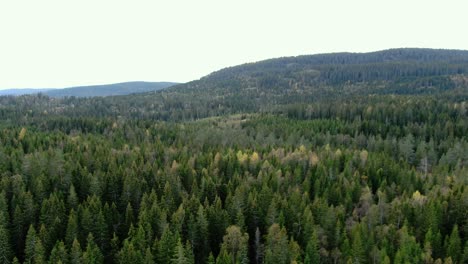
x,y
401,71
17,92
109,89
94,90
282,84
277,83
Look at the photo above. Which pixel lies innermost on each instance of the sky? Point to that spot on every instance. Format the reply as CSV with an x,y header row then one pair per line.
x,y
64,43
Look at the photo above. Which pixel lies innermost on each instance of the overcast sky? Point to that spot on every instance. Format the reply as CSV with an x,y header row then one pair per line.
x,y
60,43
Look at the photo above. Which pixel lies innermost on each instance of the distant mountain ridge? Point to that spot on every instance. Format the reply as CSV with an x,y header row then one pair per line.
x,y
94,90
285,85
22,91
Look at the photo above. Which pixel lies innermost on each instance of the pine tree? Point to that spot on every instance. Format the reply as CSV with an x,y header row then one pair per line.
x,y
312,255
76,254
454,247
189,252
211,259
114,246
166,246
92,255
223,257
72,228
180,254
409,250
59,254
129,254
72,199
129,217
52,217
34,251
198,234
276,248
218,222
5,246
357,247
148,258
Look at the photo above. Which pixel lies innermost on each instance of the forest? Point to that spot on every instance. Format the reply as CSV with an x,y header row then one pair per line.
x,y
259,163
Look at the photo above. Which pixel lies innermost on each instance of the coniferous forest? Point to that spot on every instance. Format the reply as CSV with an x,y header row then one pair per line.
x,y
336,158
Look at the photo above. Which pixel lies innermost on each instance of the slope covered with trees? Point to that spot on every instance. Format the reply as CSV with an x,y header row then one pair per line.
x,y
94,90
109,89
373,176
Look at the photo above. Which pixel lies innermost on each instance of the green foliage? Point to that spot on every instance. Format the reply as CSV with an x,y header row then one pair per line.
x,y
282,169
235,244
130,254
182,254
312,254
5,246
276,247
166,246
93,254
76,254
34,251
454,245
59,254
409,250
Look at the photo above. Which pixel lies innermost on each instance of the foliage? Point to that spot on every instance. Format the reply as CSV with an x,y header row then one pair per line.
x,y
367,178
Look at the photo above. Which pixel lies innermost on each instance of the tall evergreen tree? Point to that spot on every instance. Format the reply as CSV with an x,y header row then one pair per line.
x,y
59,254
312,254
92,254
76,254
454,246
5,246
129,254
276,248
34,251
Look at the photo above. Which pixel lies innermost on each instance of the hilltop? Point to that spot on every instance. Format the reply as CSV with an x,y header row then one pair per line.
x,y
94,90
284,85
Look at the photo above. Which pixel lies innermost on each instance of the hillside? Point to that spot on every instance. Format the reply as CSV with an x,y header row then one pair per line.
x,y
110,89
336,158
17,92
285,85
94,90
399,71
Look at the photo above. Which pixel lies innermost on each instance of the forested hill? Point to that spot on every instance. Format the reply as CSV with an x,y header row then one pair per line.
x,y
380,65
110,89
340,158
284,84
272,84
401,71
94,90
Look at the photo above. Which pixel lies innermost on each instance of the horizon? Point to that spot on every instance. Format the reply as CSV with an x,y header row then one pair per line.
x,y
53,44
79,86
175,83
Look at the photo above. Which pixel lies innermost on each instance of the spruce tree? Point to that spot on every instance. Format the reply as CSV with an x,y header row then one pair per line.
x,y
312,255
59,254
34,251
454,246
92,254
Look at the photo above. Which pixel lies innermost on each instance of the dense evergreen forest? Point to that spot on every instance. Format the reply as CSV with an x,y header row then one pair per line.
x,y
339,158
